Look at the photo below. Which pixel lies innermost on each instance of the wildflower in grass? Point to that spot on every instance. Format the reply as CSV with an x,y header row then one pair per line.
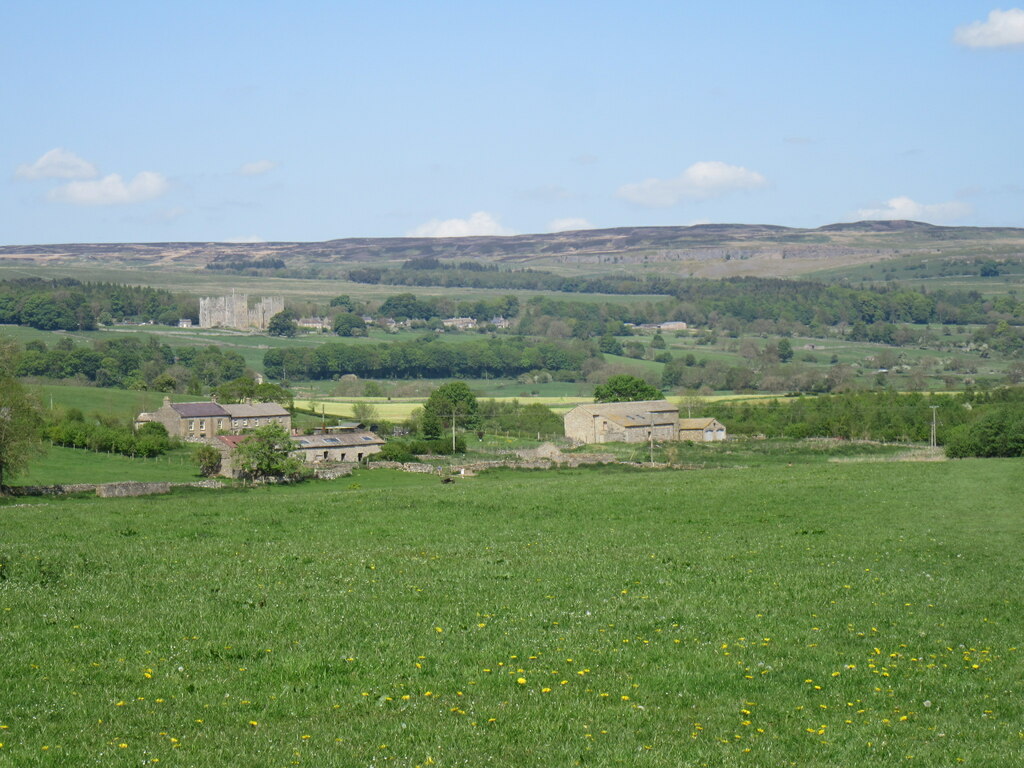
x,y
521,680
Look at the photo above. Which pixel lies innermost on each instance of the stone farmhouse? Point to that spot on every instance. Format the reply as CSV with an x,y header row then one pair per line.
x,y
636,422
197,421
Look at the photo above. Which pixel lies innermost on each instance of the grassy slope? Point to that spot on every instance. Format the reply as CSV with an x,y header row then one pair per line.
x,y
73,465
827,614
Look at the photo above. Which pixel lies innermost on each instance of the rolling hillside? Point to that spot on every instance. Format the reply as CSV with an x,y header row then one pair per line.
x,y
708,250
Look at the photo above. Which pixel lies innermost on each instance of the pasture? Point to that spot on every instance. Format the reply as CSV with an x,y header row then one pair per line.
x,y
810,615
60,466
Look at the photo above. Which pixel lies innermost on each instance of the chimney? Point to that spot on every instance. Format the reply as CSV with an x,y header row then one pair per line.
x,y
167,401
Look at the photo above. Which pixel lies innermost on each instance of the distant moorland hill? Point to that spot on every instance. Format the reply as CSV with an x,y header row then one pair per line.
x,y
710,250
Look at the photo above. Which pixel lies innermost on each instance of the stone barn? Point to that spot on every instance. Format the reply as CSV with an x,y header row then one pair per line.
x,y
704,430
628,422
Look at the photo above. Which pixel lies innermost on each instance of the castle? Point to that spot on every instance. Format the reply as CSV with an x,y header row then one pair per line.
x,y
233,311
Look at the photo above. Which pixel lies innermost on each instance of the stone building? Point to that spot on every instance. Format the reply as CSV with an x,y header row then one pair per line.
x,y
704,430
349,444
637,422
233,311
196,421
629,422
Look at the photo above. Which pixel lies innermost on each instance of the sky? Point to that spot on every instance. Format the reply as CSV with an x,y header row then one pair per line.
x,y
304,121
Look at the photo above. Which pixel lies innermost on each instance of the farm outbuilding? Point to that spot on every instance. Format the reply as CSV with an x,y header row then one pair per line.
x,y
701,430
627,422
349,443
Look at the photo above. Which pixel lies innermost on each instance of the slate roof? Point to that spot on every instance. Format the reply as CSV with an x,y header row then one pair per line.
x,y
194,410
696,423
341,440
251,410
627,407
637,413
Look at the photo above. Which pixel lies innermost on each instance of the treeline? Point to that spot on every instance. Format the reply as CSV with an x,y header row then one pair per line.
x,y
132,363
67,304
430,358
889,416
407,306
248,266
812,303
107,435
972,423
469,275
513,416
995,429
703,301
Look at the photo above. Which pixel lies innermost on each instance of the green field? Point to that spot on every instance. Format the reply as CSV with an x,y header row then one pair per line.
x,y
74,465
825,614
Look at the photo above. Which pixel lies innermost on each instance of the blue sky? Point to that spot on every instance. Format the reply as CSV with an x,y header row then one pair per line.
x,y
314,120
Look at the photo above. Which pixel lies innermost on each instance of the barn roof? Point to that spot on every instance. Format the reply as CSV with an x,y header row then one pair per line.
x,y
339,440
696,423
636,413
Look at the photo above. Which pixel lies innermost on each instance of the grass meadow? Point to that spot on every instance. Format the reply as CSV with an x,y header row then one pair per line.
x,y
819,614
61,465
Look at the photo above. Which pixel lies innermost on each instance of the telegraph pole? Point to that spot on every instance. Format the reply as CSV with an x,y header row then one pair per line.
x,y
934,441
651,434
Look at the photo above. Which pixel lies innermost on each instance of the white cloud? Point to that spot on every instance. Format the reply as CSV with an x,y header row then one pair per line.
x,y
480,223
1001,29
256,168
112,190
568,225
903,208
701,180
245,239
58,163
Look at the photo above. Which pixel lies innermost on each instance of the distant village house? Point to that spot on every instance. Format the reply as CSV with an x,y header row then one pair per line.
x,y
459,323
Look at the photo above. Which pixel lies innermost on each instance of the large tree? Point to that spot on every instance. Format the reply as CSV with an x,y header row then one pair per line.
x,y
623,388
266,453
450,405
21,424
283,324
